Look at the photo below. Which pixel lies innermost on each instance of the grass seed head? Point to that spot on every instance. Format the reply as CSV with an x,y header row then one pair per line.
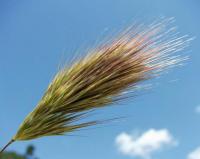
x,y
100,78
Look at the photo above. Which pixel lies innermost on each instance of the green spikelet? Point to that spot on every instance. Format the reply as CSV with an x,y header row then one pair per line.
x,y
100,78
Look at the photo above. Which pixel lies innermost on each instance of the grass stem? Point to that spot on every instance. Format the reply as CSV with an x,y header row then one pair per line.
x,y
8,144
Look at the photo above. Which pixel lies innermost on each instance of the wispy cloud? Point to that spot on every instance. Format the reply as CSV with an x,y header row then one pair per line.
x,y
197,109
145,144
195,154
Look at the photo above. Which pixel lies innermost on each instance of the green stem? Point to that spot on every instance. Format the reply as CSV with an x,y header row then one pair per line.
x,y
8,144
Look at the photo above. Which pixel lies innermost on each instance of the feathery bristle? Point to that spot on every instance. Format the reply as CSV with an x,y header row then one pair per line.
x,y
100,78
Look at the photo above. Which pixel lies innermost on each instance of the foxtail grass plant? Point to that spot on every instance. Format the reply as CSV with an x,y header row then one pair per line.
x,y
101,77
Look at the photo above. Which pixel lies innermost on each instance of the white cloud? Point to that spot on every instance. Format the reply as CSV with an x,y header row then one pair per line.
x,y
195,154
145,144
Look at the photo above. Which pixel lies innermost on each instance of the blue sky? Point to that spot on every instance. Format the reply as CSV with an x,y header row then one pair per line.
x,y
36,35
